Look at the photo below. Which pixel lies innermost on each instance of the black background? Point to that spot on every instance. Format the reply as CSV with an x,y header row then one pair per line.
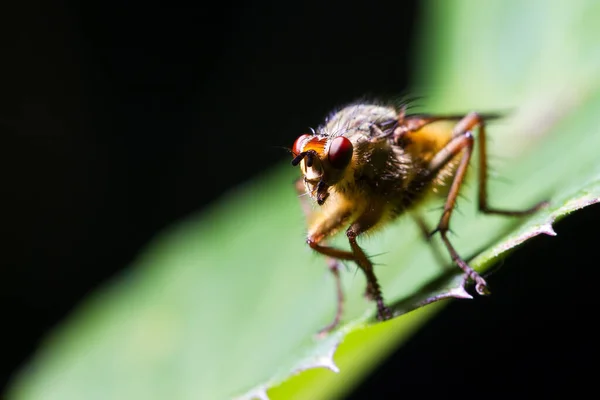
x,y
119,119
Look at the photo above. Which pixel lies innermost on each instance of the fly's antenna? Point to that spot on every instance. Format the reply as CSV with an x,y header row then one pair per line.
x,y
310,156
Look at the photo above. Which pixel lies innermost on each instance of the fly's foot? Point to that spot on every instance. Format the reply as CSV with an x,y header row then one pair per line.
x,y
383,312
326,330
482,289
480,284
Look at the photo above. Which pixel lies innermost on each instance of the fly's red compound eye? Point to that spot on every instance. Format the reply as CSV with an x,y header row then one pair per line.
x,y
299,143
340,152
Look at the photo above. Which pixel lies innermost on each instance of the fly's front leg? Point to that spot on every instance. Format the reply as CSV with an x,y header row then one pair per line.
x,y
333,264
363,223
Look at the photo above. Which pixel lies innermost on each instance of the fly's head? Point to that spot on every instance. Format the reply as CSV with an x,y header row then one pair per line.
x,y
323,161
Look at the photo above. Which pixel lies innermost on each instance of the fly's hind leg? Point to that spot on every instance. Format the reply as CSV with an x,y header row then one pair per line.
x,y
468,124
333,264
463,142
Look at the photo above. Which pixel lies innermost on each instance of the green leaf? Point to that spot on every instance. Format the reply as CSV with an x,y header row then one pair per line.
x,y
227,303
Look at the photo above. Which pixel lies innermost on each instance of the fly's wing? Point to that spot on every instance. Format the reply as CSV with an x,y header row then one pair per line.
x,y
414,122
429,118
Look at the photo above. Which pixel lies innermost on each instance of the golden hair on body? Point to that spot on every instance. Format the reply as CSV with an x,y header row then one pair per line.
x,y
371,163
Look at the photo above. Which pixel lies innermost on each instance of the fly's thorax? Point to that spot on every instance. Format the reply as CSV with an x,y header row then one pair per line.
x,y
375,159
358,119
367,126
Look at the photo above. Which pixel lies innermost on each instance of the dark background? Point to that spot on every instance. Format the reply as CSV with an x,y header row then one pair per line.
x,y
119,119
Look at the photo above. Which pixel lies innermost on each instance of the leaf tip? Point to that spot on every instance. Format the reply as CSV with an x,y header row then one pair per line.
x,y
327,362
459,292
547,229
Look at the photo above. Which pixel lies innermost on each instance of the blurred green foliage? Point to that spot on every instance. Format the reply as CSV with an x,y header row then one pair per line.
x,y
227,302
